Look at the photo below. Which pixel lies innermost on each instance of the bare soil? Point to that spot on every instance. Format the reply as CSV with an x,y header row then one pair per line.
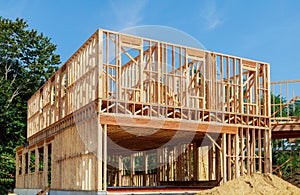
x,y
257,183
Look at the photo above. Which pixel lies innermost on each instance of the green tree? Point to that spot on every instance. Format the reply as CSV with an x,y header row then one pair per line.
x,y
295,108
27,60
285,154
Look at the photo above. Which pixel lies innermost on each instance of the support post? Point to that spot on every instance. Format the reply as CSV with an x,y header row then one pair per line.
x,y
196,161
237,159
210,163
99,159
224,155
144,168
229,164
105,158
218,161
120,170
259,151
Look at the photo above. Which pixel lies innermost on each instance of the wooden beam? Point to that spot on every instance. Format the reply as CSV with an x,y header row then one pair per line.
x,y
166,124
284,82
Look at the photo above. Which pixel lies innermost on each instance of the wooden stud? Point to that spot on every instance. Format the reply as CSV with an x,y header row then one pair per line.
x,y
259,151
229,157
224,156
218,161
99,158
237,158
248,153
105,157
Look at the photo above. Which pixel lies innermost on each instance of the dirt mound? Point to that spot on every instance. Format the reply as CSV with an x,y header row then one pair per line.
x,y
255,184
295,178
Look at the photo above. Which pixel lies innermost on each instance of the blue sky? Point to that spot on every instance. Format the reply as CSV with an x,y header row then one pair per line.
x,y
262,30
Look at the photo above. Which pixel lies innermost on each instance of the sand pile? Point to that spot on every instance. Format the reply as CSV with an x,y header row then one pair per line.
x,y
295,178
255,184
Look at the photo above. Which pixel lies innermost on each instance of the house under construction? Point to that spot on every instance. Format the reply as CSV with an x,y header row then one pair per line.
x,y
126,112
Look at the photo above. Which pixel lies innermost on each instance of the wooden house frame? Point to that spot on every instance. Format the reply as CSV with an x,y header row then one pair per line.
x,y
202,117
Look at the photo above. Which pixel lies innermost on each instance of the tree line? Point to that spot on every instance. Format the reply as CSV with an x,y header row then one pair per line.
x,y
27,60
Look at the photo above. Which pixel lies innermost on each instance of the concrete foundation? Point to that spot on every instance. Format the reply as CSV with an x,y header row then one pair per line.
x,y
20,191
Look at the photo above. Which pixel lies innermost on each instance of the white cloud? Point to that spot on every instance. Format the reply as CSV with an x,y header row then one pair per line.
x,y
128,13
210,14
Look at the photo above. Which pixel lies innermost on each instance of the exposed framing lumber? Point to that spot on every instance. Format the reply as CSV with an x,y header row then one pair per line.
x,y
284,124
115,81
